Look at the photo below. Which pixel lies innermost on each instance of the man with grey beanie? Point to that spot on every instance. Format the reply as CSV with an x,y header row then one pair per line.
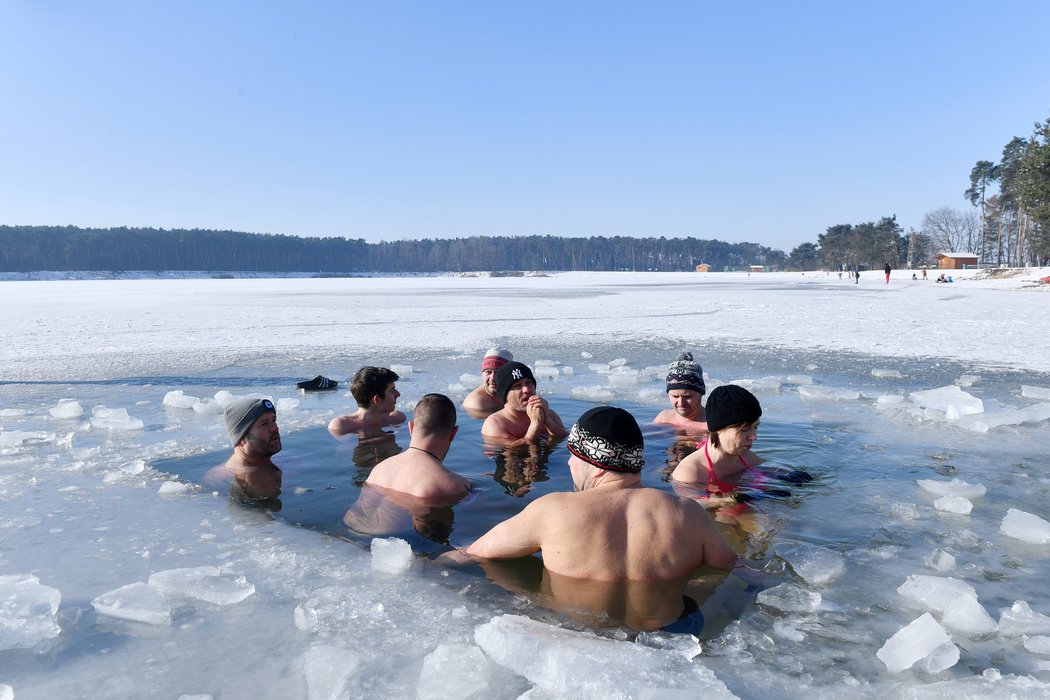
x,y
252,426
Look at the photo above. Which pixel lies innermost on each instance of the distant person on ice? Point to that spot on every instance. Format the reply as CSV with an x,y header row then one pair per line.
x,y
525,417
376,394
612,547
887,269
483,401
685,389
252,426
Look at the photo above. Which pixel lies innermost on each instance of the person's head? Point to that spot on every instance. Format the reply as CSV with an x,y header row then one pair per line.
x,y
733,413
374,386
252,424
434,416
685,386
515,380
494,359
607,438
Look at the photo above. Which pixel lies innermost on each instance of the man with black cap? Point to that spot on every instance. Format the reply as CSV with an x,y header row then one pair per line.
x,y
685,389
252,426
525,417
612,546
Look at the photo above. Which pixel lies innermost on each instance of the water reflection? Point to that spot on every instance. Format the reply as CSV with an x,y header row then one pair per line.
x,y
519,467
382,512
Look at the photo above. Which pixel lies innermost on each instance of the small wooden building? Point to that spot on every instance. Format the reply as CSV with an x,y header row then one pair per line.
x,y
757,268
703,267
955,261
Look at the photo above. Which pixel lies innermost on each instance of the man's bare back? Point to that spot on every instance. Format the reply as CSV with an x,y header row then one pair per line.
x,y
417,473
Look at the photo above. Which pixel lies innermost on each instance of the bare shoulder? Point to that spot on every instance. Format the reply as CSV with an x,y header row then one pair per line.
x,y
752,459
495,425
662,418
690,470
394,418
341,425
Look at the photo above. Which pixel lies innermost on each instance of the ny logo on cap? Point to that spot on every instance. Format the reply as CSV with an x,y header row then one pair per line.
x,y
515,373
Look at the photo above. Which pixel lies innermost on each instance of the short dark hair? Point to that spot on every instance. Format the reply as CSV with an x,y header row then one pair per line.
x,y
370,382
712,437
435,414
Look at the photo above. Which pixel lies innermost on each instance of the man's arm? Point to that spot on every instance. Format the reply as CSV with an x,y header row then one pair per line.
x,y
341,425
519,536
717,552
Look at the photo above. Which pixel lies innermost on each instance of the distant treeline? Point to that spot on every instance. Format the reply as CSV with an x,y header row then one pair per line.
x,y
32,248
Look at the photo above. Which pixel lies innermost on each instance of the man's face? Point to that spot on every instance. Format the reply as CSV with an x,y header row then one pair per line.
x,y
264,437
488,377
686,402
520,392
388,401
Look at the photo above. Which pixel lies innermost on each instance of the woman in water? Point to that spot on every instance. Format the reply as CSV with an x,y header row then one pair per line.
x,y
725,458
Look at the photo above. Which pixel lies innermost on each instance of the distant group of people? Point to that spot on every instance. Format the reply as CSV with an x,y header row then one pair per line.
x,y
640,542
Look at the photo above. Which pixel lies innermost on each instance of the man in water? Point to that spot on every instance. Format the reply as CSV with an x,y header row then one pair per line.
x,y
483,401
613,546
685,389
252,426
414,489
376,394
419,471
525,417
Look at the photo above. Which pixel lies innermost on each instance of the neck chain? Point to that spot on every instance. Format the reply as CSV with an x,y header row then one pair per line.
x,y
413,447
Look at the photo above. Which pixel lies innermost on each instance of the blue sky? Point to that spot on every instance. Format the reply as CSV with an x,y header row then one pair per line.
x,y
751,121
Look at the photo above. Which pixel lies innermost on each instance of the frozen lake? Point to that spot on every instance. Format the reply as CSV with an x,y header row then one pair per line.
x,y
87,507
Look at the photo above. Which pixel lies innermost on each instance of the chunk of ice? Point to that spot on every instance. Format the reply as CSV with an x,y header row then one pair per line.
x,y
286,404
826,393
454,671
1020,619
401,370
597,394
586,355
816,565
912,643
886,373
547,363
627,378
1025,527
952,400
67,409
968,379
177,399
1035,392
6,692
546,372
955,487
174,488
328,669
114,419
887,400
27,612
470,379
1037,644
567,371
953,504
954,600
205,583
798,379
208,407
137,602
790,597
391,555
942,658
563,663
618,362
16,438
598,367
941,560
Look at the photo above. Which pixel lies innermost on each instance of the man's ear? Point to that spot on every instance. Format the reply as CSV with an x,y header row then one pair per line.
x,y
376,399
411,427
452,435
